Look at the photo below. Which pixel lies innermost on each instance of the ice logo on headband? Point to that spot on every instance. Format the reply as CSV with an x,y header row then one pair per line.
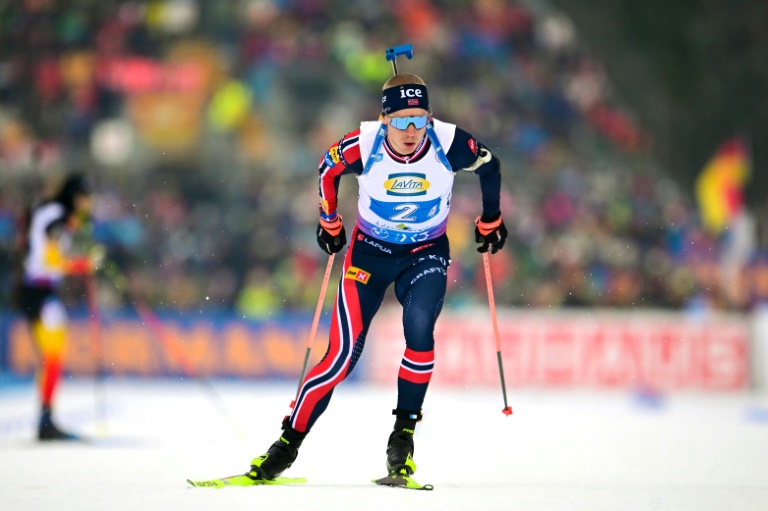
x,y
404,96
409,93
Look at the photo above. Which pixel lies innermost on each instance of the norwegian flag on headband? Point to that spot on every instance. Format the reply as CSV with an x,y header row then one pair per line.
x,y
413,102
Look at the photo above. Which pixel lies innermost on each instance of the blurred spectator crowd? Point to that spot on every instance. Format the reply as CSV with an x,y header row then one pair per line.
x,y
202,124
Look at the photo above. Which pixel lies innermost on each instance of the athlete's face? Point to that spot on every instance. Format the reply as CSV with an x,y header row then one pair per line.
x,y
405,141
83,203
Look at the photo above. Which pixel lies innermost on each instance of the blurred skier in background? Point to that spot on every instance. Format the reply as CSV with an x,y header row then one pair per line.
x,y
48,242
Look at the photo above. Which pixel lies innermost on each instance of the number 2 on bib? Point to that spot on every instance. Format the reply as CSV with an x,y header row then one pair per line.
x,y
406,210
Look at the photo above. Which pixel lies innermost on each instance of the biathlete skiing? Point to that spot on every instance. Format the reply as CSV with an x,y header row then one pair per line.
x,y
405,165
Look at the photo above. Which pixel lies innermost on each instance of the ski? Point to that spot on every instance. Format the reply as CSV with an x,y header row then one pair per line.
x,y
402,481
244,480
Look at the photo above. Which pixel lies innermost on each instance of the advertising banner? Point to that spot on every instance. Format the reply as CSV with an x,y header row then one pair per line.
x,y
215,345
648,351
653,351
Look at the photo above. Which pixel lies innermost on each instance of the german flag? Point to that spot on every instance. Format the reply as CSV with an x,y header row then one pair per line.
x,y
720,185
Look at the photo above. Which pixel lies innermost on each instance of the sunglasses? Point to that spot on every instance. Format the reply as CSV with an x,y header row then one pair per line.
x,y
401,123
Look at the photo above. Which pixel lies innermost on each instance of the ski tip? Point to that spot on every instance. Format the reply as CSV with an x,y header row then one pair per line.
x,y
401,481
244,480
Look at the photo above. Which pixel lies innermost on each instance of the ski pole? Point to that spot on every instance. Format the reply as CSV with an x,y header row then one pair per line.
x,y
171,346
492,304
315,322
94,328
150,320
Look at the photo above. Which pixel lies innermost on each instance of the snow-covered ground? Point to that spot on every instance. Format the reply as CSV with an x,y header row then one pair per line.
x,y
559,451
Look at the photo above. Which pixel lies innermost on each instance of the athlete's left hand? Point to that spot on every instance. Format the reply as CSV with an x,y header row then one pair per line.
x,y
491,232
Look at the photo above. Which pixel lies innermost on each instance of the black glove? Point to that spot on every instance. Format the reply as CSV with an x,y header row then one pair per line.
x,y
331,236
491,233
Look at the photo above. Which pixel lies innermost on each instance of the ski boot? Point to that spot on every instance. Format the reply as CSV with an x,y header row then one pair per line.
x,y
48,430
280,455
400,443
400,464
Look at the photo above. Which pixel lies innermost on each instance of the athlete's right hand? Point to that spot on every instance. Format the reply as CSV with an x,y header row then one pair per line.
x,y
331,236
